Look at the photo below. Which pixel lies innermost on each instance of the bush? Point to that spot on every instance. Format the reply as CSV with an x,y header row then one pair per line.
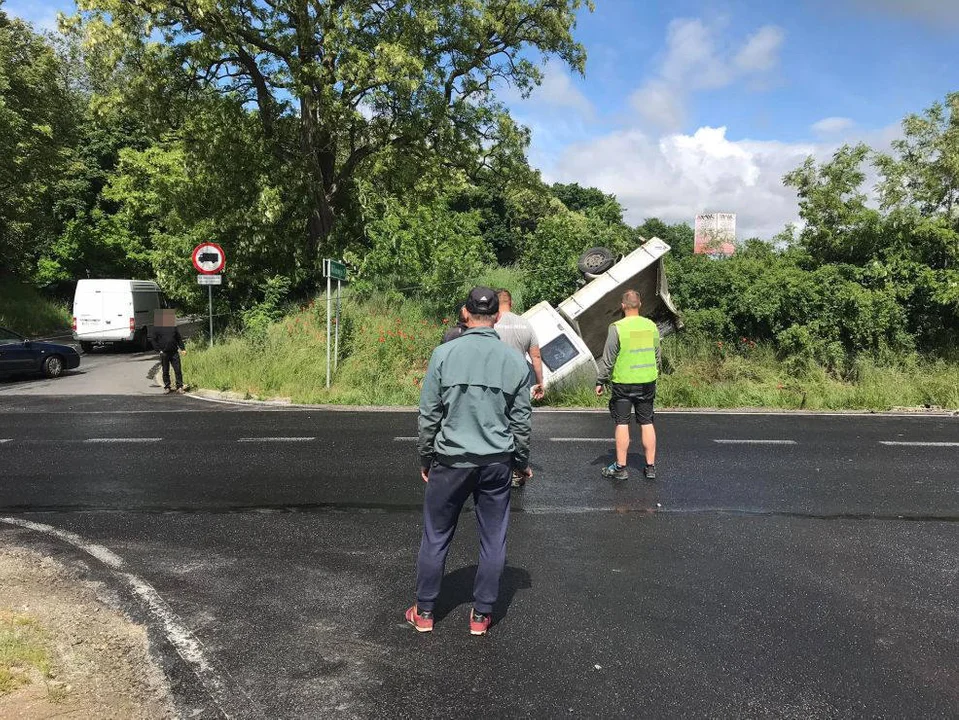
x,y
428,252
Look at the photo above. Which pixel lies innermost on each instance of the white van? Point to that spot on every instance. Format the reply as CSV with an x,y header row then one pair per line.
x,y
115,311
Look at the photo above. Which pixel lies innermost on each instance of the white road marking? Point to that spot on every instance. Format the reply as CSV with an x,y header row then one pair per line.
x,y
919,444
583,439
187,645
3,440
755,442
276,439
122,440
405,439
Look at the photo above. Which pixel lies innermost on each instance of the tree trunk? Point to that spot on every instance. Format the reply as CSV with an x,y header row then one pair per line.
x,y
319,174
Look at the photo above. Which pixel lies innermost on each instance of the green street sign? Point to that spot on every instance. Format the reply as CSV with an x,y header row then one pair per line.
x,y
335,269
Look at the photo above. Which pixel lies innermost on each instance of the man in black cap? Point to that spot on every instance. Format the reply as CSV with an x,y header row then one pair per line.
x,y
474,430
460,327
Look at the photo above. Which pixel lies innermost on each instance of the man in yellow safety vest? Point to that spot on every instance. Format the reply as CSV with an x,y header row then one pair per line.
x,y
630,365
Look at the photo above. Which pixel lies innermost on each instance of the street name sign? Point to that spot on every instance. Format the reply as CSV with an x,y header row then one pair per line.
x,y
336,270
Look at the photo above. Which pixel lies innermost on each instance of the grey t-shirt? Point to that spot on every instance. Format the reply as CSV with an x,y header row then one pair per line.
x,y
516,332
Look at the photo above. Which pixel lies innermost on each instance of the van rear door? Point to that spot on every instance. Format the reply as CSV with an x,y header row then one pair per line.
x,y
88,310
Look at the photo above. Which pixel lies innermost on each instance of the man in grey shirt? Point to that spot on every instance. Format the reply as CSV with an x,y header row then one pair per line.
x,y
517,332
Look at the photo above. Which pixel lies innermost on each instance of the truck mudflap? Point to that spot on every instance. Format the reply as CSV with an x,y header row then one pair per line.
x,y
591,309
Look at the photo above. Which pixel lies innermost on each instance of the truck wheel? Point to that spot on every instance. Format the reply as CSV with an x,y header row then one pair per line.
x,y
596,261
86,346
53,366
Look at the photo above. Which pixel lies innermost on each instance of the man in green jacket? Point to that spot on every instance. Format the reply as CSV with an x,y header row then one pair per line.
x,y
474,430
630,365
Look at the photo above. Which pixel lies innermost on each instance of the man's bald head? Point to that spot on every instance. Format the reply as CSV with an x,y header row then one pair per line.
x,y
631,300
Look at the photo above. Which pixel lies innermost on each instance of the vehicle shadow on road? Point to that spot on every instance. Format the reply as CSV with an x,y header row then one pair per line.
x,y
457,590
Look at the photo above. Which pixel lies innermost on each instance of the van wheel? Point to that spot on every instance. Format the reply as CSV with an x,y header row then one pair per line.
x,y
596,261
53,366
86,346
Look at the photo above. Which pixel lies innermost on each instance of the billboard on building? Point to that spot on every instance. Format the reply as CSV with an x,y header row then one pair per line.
x,y
715,234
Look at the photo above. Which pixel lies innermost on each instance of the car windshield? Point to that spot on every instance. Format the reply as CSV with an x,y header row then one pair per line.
x,y
8,337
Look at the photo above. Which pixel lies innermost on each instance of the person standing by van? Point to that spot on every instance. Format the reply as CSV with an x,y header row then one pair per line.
x,y
630,365
516,332
169,343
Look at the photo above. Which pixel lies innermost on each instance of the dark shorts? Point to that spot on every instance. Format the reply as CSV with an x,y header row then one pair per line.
x,y
623,399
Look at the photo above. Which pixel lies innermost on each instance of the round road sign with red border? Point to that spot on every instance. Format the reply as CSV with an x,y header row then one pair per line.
x,y
209,258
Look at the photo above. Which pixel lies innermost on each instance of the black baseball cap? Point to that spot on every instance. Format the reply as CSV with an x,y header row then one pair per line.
x,y
482,301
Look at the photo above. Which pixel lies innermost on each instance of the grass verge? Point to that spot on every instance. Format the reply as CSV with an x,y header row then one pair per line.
x,y
24,310
384,350
23,651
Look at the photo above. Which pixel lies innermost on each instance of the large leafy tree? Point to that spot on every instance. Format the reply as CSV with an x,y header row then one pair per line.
x,y
38,127
412,80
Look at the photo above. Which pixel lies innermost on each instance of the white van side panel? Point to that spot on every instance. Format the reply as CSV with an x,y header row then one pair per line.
x,y
103,309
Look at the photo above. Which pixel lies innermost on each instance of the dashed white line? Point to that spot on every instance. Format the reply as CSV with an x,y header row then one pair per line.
x,y
582,439
918,444
754,442
405,439
122,440
276,439
5,440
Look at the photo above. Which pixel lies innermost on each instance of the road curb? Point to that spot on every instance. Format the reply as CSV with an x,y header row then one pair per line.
x,y
235,398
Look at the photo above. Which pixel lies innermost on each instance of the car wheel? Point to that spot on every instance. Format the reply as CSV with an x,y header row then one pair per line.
x,y
53,366
86,346
596,261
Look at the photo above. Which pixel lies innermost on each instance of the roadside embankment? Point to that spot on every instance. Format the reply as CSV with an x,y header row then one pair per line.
x,y
384,351
24,310
64,653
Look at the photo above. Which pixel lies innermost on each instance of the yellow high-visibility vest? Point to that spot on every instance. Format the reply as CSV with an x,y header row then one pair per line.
x,y
638,342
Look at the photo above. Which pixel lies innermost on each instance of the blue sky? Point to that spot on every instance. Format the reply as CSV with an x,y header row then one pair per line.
x,y
702,105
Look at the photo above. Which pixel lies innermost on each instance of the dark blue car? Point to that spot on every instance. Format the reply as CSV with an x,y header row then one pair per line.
x,y
19,355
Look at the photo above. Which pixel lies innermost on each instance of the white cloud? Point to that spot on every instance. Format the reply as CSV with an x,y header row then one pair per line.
x,y
556,92
693,62
935,12
832,125
659,104
677,176
761,52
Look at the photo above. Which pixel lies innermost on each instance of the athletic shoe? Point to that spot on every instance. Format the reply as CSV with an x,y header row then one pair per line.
x,y
167,391
650,472
519,480
181,391
479,622
422,621
616,472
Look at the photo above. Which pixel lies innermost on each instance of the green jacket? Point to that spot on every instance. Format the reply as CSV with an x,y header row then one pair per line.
x,y
475,406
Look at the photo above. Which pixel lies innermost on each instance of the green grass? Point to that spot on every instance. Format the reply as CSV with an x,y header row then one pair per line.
x,y
24,310
23,650
384,349
702,375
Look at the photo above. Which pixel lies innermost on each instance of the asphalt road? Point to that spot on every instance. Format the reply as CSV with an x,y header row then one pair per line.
x,y
106,370
783,566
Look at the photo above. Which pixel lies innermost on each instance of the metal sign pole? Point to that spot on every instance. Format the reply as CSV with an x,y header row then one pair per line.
x,y
329,299
210,293
336,346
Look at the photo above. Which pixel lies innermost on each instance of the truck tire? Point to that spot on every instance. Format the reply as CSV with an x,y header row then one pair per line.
x,y
596,261
86,346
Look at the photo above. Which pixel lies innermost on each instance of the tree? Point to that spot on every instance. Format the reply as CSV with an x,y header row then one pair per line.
x,y
924,173
359,78
38,121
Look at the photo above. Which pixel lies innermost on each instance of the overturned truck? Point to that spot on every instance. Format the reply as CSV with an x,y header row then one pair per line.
x,y
573,335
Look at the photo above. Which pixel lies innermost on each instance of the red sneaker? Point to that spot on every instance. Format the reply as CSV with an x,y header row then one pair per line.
x,y
479,623
422,621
